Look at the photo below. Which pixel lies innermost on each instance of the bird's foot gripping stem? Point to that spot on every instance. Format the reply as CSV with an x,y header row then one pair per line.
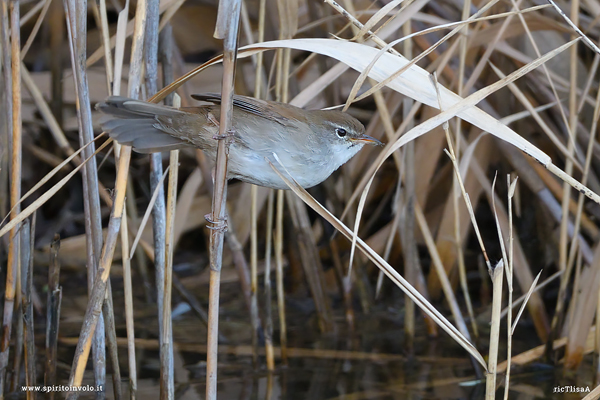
x,y
216,224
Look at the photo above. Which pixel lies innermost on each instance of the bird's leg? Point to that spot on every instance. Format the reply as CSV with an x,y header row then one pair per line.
x,y
229,135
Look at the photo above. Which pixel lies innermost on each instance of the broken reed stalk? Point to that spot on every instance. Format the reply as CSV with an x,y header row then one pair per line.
x,y
15,181
76,13
52,314
496,273
226,29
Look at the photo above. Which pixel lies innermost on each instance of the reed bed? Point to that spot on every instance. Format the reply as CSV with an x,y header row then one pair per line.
x,y
450,263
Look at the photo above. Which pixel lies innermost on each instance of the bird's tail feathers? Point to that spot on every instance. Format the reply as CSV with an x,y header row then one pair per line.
x,y
134,123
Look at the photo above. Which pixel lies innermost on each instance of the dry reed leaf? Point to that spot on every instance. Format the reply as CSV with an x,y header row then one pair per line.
x,y
509,119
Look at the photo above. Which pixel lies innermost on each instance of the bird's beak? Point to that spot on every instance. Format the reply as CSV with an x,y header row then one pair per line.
x,y
366,139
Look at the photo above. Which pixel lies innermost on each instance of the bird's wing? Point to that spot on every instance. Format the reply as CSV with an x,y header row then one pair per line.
x,y
261,108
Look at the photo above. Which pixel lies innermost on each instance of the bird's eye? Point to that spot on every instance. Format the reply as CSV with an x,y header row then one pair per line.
x,y
341,132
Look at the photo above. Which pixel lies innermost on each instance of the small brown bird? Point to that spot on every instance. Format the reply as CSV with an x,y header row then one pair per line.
x,y
311,145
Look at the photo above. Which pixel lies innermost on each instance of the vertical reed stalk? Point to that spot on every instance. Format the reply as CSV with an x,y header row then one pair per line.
x,y
6,87
496,273
114,89
462,273
57,35
254,189
159,223
254,232
254,269
111,341
279,266
19,330
52,315
509,280
411,262
167,384
27,242
557,320
129,321
268,294
76,13
227,29
15,179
